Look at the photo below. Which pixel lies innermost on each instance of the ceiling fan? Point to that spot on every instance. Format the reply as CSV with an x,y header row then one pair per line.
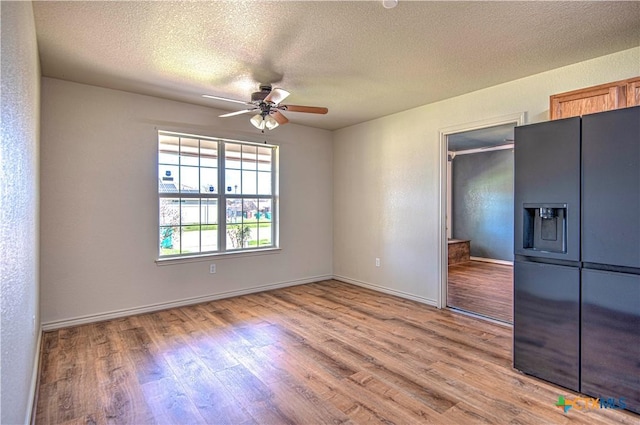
x,y
266,103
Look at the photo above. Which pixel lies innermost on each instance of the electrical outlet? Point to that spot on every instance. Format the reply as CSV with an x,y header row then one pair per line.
x,y
377,262
212,268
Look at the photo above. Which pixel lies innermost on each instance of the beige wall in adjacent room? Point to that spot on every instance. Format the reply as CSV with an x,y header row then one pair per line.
x,y
99,236
19,211
386,177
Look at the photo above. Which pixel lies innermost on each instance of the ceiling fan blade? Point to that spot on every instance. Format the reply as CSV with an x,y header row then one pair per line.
x,y
231,114
280,119
276,96
226,99
308,109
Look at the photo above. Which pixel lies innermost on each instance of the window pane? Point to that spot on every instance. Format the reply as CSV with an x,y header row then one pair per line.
x,y
209,227
234,210
208,180
169,211
249,214
189,180
249,182
237,236
168,149
190,211
190,239
169,241
236,230
264,159
249,157
188,151
209,211
209,239
264,236
168,178
233,182
264,183
232,155
264,210
249,209
208,153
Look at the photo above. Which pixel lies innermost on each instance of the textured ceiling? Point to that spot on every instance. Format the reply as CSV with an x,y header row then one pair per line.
x,y
357,58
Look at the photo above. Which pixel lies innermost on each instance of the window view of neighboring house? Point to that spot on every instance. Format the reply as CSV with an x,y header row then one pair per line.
x,y
215,195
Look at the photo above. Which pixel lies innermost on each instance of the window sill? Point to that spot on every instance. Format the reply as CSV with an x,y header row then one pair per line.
x,y
208,257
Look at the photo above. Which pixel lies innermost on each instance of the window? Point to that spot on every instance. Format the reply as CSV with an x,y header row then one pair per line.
x,y
215,195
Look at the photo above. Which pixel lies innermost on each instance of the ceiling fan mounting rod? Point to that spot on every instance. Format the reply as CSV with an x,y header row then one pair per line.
x,y
259,96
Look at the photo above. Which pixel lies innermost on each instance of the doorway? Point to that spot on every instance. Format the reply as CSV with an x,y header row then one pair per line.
x,y
477,246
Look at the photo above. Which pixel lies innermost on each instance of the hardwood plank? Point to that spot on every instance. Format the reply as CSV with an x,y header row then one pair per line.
x,y
89,419
210,347
144,355
398,395
169,402
74,361
253,395
47,407
302,405
122,400
213,401
49,359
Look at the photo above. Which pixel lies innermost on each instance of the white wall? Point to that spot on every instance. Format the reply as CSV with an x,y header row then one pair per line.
x,y
99,206
387,175
19,210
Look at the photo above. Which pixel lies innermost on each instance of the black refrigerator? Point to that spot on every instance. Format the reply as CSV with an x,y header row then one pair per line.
x,y
577,254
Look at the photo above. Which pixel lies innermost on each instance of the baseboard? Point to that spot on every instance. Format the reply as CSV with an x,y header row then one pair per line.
x,y
33,387
92,318
491,260
382,289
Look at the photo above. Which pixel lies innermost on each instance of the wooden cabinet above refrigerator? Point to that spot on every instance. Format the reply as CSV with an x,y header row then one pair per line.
x,y
604,97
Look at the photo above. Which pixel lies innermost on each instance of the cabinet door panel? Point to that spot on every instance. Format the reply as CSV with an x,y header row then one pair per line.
x,y
633,93
587,101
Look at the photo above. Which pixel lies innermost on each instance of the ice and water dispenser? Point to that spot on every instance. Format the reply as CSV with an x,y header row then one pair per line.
x,y
545,227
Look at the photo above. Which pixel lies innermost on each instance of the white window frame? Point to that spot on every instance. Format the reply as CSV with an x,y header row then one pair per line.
x,y
221,196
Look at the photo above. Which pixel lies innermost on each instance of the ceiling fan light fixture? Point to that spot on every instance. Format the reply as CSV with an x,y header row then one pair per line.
x,y
258,121
261,122
270,122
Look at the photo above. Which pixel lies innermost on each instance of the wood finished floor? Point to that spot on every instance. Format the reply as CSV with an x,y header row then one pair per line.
x,y
482,288
327,352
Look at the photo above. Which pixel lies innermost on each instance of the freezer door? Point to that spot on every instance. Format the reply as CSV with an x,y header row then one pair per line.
x,y
611,188
611,337
546,326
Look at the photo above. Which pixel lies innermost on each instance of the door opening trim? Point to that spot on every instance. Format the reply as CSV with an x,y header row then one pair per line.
x,y
517,119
